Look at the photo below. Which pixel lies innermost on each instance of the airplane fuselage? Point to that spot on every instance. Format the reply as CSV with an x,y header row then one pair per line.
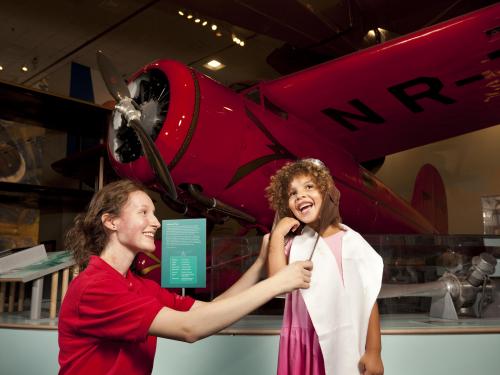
x,y
230,144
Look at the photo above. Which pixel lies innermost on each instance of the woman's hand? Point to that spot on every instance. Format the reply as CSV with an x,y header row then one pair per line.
x,y
264,248
294,276
371,364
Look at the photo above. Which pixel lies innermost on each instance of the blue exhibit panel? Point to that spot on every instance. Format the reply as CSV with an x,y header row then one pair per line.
x,y
184,252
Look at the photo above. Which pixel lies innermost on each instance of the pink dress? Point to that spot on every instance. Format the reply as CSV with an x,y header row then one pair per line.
x,y
300,353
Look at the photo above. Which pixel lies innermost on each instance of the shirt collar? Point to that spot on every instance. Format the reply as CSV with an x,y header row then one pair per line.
x,y
101,264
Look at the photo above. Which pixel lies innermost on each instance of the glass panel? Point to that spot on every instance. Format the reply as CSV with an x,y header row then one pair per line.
x,y
36,202
491,214
419,272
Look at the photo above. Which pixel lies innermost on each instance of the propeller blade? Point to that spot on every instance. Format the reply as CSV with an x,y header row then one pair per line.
x,y
125,105
155,159
114,82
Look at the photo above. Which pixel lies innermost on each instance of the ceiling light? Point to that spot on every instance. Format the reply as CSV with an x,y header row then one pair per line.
x,y
218,33
204,23
1,68
181,13
189,16
214,65
24,68
378,35
197,20
238,41
214,27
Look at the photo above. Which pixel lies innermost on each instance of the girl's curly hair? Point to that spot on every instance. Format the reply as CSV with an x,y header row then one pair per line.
x,y
87,236
277,191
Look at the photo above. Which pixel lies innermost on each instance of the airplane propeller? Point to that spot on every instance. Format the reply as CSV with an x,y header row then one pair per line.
x,y
130,110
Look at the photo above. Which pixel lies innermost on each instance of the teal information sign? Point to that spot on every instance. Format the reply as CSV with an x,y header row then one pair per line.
x,y
183,250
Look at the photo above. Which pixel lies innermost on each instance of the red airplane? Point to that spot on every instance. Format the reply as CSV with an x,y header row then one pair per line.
x,y
221,146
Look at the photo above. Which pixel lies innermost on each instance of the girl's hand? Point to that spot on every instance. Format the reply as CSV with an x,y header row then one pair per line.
x,y
371,364
286,225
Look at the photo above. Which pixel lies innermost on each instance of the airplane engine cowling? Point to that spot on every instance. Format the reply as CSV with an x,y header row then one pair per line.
x,y
152,89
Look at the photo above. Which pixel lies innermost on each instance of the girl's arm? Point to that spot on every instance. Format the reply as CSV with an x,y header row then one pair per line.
x,y
277,258
209,318
252,275
371,362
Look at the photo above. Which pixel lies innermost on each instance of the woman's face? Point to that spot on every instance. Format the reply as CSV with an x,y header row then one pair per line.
x,y
304,199
137,224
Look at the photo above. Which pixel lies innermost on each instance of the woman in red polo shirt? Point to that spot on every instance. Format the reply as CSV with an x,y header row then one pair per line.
x,y
110,317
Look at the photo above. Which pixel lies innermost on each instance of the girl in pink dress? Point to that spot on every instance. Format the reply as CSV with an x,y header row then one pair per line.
x,y
333,327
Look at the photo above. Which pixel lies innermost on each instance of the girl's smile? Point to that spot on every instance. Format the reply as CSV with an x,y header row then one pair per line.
x,y
304,199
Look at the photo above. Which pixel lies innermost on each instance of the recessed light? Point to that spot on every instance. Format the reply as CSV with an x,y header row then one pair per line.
x,y
204,23
181,13
1,68
214,27
24,68
214,65
189,16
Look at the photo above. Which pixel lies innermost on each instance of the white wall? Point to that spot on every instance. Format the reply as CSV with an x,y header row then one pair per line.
x,y
470,168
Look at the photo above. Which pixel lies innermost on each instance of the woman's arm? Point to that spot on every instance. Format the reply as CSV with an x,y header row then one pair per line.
x,y
371,362
208,318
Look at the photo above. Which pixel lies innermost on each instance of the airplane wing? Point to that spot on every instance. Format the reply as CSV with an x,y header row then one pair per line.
x,y
437,83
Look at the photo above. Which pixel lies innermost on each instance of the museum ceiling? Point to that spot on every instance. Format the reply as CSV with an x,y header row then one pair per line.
x,y
279,36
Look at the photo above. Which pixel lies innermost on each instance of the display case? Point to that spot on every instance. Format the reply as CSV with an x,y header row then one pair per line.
x,y
448,277
38,197
36,202
38,129
37,205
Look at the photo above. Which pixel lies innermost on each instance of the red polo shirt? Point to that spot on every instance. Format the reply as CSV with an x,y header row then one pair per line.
x,y
105,318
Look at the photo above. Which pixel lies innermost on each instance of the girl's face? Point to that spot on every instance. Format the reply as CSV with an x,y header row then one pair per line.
x,y
304,199
136,225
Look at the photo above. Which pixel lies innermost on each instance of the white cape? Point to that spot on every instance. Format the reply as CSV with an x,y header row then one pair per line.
x,y
340,314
